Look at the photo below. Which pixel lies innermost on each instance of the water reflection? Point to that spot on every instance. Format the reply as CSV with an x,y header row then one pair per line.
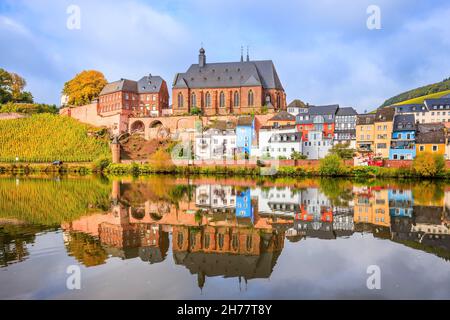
x,y
227,228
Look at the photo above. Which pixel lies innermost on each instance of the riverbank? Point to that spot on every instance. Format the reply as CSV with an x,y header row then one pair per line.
x,y
135,169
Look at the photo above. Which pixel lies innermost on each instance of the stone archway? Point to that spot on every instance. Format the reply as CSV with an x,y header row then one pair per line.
x,y
137,127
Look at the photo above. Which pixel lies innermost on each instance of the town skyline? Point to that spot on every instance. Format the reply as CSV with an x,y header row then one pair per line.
x,y
337,60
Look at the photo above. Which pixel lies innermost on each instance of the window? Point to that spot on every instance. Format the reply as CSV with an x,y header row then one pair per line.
x,y
193,99
222,100
278,100
422,148
236,99
208,99
180,100
250,98
435,148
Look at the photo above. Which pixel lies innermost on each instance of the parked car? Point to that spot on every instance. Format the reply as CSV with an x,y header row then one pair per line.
x,y
57,163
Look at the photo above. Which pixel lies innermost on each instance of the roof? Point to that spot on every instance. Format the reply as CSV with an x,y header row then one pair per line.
x,y
404,122
431,103
245,121
364,119
412,107
385,114
230,75
427,127
297,137
323,110
283,116
297,103
346,111
147,84
427,137
315,111
269,128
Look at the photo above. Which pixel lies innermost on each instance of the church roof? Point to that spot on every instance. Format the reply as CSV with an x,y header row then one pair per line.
x,y
230,75
147,84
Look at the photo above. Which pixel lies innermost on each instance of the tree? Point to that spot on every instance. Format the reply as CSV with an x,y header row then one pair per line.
x,y
343,150
331,165
196,111
295,155
429,165
84,87
5,86
11,88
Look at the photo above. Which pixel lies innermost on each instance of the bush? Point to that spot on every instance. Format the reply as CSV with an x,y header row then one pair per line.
x,y
331,165
297,156
429,165
101,163
195,111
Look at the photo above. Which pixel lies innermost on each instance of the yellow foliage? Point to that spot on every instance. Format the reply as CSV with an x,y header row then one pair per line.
x,y
84,87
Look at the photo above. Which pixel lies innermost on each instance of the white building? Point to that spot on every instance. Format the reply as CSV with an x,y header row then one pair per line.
x,y
317,146
279,142
216,143
215,196
278,201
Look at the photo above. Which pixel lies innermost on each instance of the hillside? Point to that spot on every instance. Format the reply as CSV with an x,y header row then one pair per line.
x,y
435,88
47,137
419,100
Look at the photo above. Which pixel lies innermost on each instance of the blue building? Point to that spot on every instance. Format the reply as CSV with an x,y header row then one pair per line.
x,y
244,208
245,135
400,203
403,141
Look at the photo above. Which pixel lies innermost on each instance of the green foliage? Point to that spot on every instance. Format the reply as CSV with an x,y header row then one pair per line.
x,y
282,158
195,111
11,88
298,156
28,108
418,92
331,165
101,163
428,164
343,150
45,138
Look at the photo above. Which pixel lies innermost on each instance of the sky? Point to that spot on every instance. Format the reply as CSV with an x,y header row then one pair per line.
x,y
323,50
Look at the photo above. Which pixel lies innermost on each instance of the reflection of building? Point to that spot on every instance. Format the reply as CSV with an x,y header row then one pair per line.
x,y
216,197
400,203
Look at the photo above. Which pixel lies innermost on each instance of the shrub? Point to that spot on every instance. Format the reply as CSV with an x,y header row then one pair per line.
x,y
429,165
297,156
331,165
101,163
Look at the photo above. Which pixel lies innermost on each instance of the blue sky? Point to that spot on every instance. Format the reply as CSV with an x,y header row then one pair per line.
x,y
322,49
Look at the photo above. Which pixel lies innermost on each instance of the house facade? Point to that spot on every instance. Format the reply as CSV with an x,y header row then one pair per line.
x,y
228,87
317,118
365,133
146,97
279,142
217,142
245,136
345,126
383,131
431,138
403,142
317,146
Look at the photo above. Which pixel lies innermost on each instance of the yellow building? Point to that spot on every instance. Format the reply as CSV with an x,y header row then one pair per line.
x,y
365,133
383,131
431,138
372,207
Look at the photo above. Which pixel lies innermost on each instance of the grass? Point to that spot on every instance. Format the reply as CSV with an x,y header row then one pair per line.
x,y
420,100
46,137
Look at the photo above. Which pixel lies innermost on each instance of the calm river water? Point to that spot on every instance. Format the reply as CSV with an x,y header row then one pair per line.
x,y
166,237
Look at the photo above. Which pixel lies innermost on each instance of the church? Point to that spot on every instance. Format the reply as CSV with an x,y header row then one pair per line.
x,y
228,88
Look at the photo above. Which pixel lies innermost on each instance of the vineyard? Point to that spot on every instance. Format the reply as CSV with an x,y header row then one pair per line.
x,y
47,137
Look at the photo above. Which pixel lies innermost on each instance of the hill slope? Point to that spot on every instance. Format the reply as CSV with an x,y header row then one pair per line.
x,y
439,87
419,100
46,137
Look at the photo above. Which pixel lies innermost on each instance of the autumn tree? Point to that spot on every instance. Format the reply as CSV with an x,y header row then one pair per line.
x,y
429,165
84,87
11,88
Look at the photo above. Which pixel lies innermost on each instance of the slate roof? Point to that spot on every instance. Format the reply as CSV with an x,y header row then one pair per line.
x,y
283,116
412,107
297,135
431,103
404,122
385,114
297,103
346,111
428,127
324,111
428,137
147,84
364,119
286,127
230,75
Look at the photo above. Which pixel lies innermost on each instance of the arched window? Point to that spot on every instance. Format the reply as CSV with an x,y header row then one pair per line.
x,y
278,100
180,100
222,100
208,99
193,100
268,99
207,241
180,240
250,98
236,99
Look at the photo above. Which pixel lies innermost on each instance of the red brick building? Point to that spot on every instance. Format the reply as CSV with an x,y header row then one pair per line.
x,y
228,87
147,97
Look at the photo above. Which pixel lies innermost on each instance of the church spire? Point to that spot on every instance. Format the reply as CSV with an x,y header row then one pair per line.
x,y
248,56
201,57
242,53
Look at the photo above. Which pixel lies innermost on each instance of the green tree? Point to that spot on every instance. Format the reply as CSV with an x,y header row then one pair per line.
x,y
196,111
5,86
331,165
343,150
295,155
84,87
